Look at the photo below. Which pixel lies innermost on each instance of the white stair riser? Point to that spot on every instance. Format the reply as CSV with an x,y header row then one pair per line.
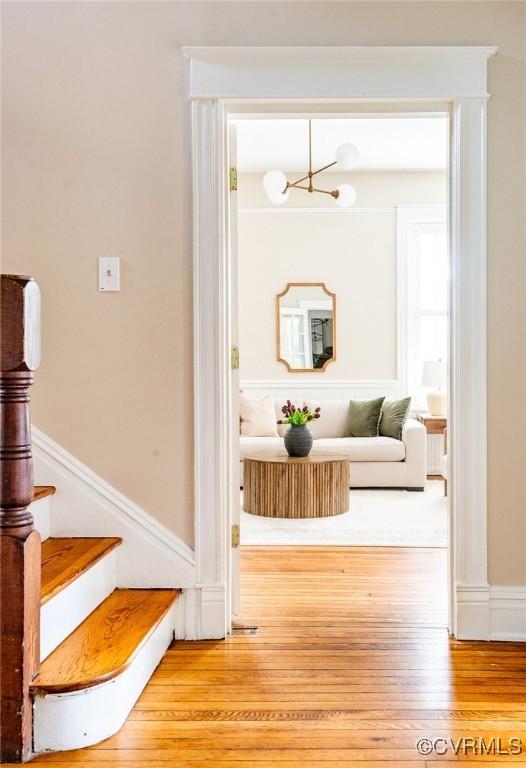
x,y
41,510
74,720
64,612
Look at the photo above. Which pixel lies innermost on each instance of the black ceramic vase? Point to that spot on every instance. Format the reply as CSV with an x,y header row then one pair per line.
x,y
298,440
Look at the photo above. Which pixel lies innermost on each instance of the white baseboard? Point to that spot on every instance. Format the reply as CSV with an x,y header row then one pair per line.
x,y
491,613
473,618
86,505
200,613
508,613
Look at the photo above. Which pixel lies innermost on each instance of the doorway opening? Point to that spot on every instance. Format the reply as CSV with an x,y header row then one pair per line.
x,y
342,311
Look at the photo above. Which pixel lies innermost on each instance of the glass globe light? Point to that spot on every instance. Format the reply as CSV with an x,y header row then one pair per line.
x,y
347,156
279,198
346,195
274,182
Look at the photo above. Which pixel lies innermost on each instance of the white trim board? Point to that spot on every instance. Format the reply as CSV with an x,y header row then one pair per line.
x,y
319,209
497,612
323,388
456,74
508,613
338,72
86,505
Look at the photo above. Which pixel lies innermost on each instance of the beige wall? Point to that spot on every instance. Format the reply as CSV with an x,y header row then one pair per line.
x,y
96,161
352,252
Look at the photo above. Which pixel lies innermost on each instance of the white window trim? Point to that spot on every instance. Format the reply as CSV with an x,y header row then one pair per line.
x,y
302,312
407,215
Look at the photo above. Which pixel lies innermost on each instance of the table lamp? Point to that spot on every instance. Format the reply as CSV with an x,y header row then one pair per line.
x,y
434,375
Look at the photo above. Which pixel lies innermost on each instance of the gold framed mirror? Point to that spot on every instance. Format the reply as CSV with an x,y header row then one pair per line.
x,y
306,327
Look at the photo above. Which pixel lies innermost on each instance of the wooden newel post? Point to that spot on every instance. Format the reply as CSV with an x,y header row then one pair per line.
x,y
19,541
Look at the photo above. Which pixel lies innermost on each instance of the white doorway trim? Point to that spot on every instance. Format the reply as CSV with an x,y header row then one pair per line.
x,y
419,75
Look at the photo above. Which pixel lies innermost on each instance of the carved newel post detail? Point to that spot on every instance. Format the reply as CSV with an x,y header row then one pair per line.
x,y
19,541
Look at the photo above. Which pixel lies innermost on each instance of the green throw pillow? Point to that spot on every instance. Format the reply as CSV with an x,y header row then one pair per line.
x,y
364,417
393,418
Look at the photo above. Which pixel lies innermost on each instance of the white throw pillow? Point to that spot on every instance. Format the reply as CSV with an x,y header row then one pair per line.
x,y
258,417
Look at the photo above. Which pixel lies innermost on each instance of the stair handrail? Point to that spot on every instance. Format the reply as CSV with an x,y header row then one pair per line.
x,y
20,548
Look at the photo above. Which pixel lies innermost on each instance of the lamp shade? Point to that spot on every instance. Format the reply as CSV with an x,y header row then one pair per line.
x,y
274,182
434,374
346,195
347,156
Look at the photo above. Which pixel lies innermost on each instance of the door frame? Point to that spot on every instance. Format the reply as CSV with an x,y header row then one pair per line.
x,y
221,79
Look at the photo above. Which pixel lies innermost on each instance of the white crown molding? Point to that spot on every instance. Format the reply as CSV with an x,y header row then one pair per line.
x,y
85,504
337,211
333,72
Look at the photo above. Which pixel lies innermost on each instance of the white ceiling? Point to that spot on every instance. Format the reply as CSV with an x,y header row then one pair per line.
x,y
386,143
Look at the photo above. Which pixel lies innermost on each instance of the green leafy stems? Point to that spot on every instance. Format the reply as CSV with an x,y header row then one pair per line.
x,y
298,416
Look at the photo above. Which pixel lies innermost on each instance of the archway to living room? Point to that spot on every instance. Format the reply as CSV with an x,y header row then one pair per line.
x,y
342,310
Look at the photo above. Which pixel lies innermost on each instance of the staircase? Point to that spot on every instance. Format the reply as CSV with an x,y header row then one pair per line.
x,y
98,644
76,648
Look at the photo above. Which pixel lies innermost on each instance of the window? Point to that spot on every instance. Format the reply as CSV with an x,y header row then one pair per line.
x,y
295,338
422,294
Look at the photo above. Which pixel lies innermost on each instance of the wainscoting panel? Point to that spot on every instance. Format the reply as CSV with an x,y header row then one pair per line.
x,y
311,389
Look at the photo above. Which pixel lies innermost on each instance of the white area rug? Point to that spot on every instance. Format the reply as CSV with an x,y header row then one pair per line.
x,y
375,518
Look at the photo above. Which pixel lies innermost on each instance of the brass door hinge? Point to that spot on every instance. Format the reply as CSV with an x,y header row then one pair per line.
x,y
234,358
233,179
235,536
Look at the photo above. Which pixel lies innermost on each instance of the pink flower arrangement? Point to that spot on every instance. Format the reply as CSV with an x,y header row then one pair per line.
x,y
298,416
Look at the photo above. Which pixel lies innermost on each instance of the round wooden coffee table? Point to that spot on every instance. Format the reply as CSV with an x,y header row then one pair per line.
x,y
276,485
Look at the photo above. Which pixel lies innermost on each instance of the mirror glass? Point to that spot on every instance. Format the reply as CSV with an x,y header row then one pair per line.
x,y
306,314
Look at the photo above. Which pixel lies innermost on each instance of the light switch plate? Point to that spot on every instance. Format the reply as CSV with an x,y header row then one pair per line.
x,y
109,273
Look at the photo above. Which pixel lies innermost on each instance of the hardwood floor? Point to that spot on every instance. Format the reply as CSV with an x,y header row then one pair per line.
x,y
351,665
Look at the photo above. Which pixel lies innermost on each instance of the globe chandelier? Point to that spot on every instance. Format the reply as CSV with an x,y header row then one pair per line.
x,y
277,186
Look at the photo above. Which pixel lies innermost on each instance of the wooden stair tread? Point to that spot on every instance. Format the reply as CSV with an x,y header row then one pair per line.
x,y
105,644
65,559
41,491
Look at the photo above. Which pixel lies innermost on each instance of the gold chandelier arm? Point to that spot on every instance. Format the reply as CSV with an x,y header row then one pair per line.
x,y
333,193
324,168
303,178
297,185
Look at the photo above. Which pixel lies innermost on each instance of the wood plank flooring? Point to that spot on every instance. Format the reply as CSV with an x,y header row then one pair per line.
x,y
351,665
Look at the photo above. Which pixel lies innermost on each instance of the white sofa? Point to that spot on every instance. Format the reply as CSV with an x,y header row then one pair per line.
x,y
376,462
